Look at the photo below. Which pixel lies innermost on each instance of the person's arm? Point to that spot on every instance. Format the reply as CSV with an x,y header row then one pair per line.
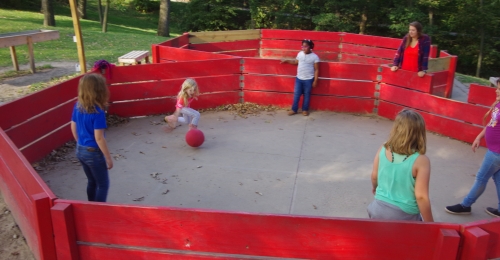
x,y
316,73
293,62
399,53
422,168
73,130
477,141
426,50
375,171
101,142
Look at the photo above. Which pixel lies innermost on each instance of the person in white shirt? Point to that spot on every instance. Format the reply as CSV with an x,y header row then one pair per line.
x,y
307,76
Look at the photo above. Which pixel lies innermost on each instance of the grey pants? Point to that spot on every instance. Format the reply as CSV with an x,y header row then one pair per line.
x,y
382,210
189,116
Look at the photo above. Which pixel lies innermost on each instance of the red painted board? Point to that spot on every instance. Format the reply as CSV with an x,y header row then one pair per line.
x,y
225,46
442,125
340,70
41,125
273,53
368,51
353,58
44,146
171,87
448,245
171,53
375,41
475,244
43,226
64,231
27,177
174,70
324,87
121,253
297,44
177,41
439,90
407,79
433,104
481,95
439,78
433,52
253,234
165,105
268,66
492,227
329,103
17,111
300,35
444,54
451,77
242,53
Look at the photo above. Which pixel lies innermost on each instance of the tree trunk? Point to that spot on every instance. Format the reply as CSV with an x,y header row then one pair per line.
x,y
481,45
105,19
99,10
431,18
253,5
163,21
48,13
362,24
82,9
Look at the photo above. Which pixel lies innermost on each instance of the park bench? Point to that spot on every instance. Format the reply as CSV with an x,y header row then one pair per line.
x,y
133,57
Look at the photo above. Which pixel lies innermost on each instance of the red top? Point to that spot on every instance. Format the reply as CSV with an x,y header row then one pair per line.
x,y
410,59
180,102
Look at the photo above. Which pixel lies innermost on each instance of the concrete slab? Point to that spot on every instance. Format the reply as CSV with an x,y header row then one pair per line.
x,y
273,163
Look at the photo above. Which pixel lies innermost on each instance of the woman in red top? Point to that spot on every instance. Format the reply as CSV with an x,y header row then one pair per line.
x,y
413,53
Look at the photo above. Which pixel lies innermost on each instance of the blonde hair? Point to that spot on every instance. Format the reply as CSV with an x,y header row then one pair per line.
x,y
408,133
92,92
186,85
492,106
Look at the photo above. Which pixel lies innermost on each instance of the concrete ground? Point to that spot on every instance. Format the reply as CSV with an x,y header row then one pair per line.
x,y
272,163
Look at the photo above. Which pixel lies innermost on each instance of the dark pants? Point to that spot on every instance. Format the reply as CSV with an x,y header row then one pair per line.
x,y
302,87
94,166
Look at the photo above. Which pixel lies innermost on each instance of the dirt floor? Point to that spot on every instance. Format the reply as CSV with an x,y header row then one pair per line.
x,y
12,242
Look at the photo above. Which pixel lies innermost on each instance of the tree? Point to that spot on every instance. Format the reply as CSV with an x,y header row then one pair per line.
x,y
163,21
105,19
48,13
82,9
99,10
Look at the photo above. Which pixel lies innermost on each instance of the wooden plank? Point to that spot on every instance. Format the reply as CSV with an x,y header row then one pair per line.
x,y
475,244
296,45
439,90
20,38
439,64
35,103
39,149
301,35
42,124
167,105
442,125
444,53
242,53
177,54
31,54
451,77
375,41
27,177
325,86
353,58
253,234
175,70
433,104
492,227
226,46
64,232
447,245
268,66
482,95
407,79
177,41
439,78
323,56
368,51
223,36
433,52
171,87
43,226
13,56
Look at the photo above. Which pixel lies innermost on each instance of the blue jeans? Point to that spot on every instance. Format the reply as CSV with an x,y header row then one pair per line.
x,y
302,87
94,166
490,168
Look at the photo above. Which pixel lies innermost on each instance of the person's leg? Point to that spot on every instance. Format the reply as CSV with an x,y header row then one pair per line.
x,y
83,157
297,92
100,173
307,87
496,179
193,115
490,165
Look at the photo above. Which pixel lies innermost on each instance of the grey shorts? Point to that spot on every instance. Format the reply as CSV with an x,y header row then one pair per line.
x,y
382,210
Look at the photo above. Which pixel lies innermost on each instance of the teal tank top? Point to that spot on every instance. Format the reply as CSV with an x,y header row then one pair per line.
x,y
396,184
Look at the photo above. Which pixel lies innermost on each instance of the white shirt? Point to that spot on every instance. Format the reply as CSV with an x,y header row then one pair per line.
x,y
305,70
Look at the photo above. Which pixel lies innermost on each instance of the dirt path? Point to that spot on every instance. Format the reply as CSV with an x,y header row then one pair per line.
x,y
12,242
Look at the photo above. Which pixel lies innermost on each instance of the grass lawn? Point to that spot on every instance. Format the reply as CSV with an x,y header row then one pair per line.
x,y
471,79
127,31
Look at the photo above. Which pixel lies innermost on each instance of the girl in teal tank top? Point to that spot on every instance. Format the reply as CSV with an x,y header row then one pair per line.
x,y
401,172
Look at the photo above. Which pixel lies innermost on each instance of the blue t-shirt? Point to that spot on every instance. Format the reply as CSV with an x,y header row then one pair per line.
x,y
86,123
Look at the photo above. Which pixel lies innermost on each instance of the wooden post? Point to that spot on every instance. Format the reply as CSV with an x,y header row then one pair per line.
x,y
14,58
43,226
475,245
78,34
31,54
64,231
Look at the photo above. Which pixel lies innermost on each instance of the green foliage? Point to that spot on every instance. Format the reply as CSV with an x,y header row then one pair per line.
x,y
214,15
146,6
